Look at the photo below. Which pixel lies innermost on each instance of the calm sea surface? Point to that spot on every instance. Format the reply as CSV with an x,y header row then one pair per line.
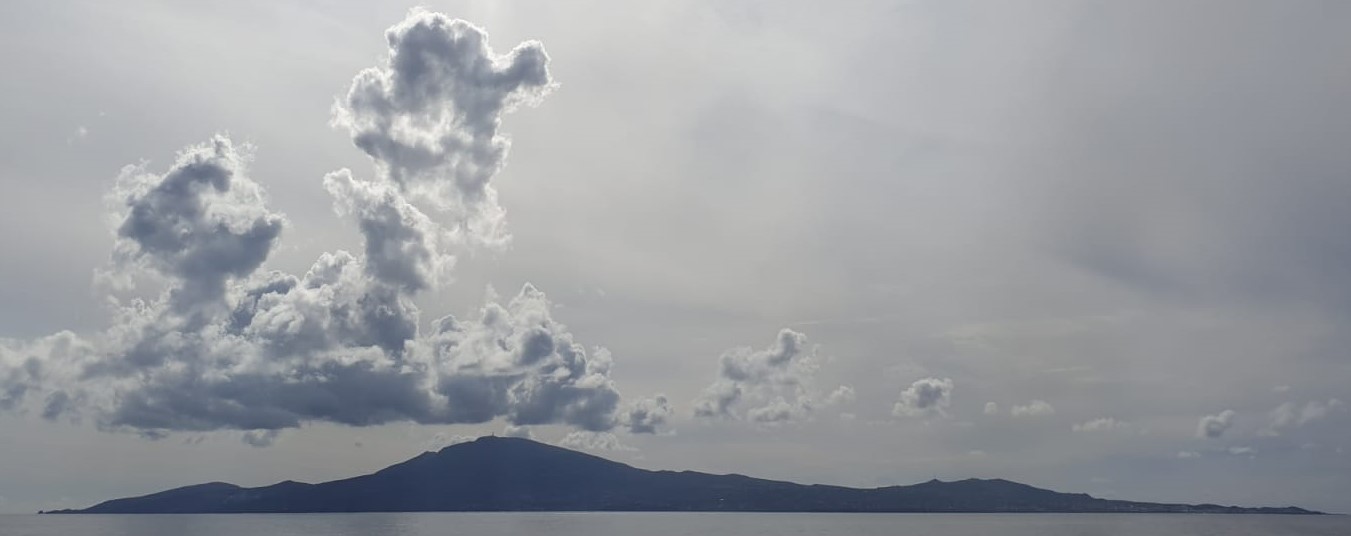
x,y
663,524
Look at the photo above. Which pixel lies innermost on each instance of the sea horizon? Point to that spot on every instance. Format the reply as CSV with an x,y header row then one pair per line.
x,y
669,524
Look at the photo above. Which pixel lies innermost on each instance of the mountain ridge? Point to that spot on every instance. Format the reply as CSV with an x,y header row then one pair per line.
x,y
513,474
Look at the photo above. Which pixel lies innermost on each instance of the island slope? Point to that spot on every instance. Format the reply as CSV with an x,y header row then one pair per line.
x,y
509,474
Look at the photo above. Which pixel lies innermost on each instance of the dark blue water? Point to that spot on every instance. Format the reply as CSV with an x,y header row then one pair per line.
x,y
665,524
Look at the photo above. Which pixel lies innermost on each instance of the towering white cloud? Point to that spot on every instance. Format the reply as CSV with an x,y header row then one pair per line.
x,y
777,382
201,224
429,116
230,346
404,247
925,398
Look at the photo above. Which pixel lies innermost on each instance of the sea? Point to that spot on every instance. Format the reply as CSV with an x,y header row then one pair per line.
x,y
672,524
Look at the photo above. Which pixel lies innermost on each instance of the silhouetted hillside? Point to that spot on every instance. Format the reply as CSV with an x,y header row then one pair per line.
x,y
507,474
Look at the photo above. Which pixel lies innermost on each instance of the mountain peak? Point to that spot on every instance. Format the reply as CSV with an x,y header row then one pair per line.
x,y
495,440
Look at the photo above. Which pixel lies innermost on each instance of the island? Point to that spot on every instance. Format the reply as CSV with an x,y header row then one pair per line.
x,y
512,474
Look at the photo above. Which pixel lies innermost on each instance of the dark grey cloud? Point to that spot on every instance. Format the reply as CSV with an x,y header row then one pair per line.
x,y
200,224
301,361
335,304
778,382
56,404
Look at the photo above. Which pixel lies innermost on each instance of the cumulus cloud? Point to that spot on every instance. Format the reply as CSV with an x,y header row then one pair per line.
x,y
777,382
991,408
1290,415
1034,408
259,438
403,245
925,397
297,358
429,116
646,415
201,224
34,373
1101,424
516,361
1213,426
230,345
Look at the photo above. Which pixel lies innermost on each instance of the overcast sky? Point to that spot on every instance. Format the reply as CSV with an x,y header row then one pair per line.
x,y
1092,246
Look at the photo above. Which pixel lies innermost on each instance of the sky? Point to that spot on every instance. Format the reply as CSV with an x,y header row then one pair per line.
x,y
1090,246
